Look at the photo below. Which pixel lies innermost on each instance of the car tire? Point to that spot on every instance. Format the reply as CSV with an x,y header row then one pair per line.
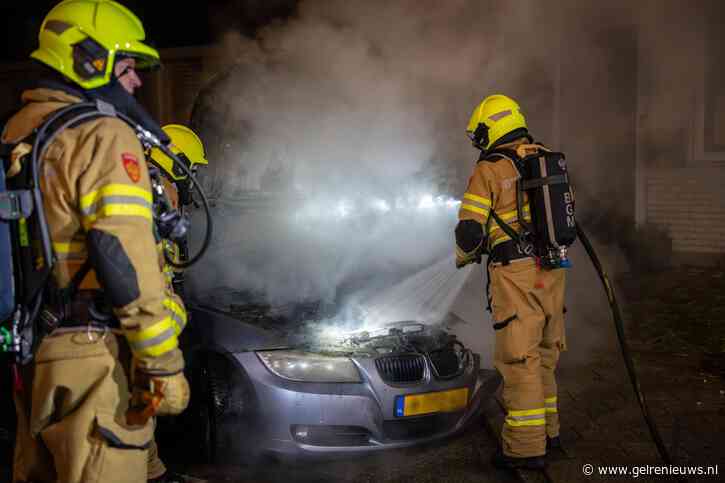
x,y
222,409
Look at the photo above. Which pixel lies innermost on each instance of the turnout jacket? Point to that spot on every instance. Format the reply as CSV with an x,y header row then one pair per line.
x,y
493,186
98,204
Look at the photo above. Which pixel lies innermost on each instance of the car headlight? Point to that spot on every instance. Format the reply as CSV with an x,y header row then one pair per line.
x,y
306,367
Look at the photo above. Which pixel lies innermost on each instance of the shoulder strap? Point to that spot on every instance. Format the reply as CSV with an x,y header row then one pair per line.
x,y
69,116
512,156
505,226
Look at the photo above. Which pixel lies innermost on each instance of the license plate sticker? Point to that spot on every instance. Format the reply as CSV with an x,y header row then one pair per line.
x,y
431,403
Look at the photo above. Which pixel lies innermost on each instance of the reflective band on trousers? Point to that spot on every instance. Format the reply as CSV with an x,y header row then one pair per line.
x,y
550,403
178,315
74,250
115,200
155,340
527,417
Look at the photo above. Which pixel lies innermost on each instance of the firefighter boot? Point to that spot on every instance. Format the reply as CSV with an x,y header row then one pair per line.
x,y
504,462
553,443
555,450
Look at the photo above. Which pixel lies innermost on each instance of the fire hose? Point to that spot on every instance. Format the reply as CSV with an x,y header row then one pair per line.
x,y
626,354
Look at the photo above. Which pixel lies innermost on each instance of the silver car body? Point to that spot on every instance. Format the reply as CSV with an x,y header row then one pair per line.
x,y
307,419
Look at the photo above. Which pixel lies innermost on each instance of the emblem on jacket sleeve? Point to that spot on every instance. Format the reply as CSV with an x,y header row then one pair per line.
x,y
130,164
508,183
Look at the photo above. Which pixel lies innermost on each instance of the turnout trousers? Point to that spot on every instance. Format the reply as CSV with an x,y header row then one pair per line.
x,y
156,467
71,414
528,311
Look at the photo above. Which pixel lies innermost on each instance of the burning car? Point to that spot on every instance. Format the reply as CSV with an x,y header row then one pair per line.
x,y
269,380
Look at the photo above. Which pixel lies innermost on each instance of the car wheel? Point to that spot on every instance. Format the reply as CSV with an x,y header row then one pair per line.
x,y
223,405
204,416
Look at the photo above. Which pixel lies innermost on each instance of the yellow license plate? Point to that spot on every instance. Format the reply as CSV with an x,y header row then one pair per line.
x,y
432,402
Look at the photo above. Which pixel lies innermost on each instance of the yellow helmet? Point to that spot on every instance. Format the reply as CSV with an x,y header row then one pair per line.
x,y
495,117
81,39
186,144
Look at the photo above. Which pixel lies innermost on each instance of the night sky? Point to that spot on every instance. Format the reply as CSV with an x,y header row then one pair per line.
x,y
168,24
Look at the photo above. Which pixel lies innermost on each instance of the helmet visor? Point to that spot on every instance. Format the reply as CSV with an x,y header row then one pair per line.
x,y
146,56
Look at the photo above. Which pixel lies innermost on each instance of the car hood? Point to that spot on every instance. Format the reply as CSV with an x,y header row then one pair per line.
x,y
238,321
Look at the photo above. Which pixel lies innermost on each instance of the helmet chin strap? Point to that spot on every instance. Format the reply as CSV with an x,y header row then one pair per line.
x,y
124,72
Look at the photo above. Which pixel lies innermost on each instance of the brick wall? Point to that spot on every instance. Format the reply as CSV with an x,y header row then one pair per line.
x,y
681,157
690,204
174,87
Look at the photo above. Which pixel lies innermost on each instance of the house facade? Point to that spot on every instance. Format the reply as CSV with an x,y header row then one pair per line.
x,y
638,105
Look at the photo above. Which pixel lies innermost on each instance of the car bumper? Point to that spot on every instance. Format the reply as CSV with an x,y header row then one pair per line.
x,y
312,419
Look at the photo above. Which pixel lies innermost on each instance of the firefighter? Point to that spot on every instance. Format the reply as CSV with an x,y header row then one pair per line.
x,y
81,413
189,148
187,145
526,301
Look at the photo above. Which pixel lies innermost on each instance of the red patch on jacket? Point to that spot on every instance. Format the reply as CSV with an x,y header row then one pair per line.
x,y
130,164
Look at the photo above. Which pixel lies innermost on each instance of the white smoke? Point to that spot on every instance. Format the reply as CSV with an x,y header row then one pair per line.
x,y
353,107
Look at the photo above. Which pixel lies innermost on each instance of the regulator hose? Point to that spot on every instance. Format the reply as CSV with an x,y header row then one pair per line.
x,y
626,354
150,140
204,202
89,110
